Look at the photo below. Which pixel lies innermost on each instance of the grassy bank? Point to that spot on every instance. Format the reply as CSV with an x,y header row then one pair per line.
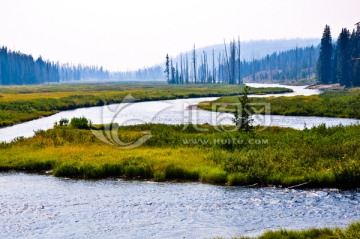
x,y
24,103
319,157
351,232
343,104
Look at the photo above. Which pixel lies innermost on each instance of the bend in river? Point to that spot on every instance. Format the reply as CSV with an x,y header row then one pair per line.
x,y
170,112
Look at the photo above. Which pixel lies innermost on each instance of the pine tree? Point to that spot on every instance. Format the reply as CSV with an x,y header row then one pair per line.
x,y
167,69
324,61
243,116
333,65
355,53
343,64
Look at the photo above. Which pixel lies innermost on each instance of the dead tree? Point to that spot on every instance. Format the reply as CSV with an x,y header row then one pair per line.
x,y
239,62
194,64
213,68
227,61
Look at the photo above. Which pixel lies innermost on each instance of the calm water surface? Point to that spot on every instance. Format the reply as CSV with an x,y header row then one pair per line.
x,y
170,112
35,206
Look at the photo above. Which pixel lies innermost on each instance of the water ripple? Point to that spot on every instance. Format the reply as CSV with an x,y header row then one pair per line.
x,y
34,206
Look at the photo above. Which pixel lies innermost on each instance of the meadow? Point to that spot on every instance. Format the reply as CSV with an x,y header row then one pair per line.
x,y
342,104
284,157
24,103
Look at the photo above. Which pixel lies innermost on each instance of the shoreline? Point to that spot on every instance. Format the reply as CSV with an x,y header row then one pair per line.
x,y
326,87
301,186
142,98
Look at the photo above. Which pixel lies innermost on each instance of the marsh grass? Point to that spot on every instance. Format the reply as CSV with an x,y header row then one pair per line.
x,y
320,157
24,103
351,232
343,104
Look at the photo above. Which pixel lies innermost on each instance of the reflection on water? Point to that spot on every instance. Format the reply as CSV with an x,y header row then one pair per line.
x,y
35,206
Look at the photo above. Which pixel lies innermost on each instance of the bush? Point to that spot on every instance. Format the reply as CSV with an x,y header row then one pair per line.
x,y
63,122
79,123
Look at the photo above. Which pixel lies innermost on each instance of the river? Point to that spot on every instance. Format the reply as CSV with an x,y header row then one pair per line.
x,y
38,206
177,111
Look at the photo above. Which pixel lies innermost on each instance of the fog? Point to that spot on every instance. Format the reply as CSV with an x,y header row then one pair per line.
x,y
123,35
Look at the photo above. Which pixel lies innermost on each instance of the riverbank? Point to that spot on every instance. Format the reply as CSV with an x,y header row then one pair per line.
x,y
283,157
326,87
351,232
342,104
24,103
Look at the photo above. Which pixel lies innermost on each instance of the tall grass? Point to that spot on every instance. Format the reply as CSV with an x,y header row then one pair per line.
x,y
351,232
343,104
320,157
24,103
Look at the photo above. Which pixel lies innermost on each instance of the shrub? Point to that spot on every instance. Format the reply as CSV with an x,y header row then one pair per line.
x,y
79,123
63,122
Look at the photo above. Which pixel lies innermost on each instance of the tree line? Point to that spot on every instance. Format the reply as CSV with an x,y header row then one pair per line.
x,y
145,74
69,72
339,62
228,68
17,68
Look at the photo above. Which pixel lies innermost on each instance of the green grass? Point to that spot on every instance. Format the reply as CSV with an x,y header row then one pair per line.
x,y
343,104
321,156
351,232
24,103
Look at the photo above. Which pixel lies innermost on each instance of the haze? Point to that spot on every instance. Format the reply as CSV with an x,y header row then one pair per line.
x,y
122,35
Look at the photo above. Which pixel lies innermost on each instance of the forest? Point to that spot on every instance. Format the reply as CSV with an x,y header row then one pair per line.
x,y
339,62
17,68
228,68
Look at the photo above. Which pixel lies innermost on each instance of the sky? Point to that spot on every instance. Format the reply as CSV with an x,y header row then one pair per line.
x,y
131,34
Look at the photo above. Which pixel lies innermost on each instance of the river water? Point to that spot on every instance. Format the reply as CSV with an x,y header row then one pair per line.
x,y
35,206
38,206
171,112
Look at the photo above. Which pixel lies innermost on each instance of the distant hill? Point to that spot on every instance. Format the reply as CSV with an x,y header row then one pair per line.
x,y
257,49
253,52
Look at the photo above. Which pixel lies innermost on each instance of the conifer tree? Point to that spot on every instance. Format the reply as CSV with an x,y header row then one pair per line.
x,y
243,115
355,53
324,61
343,63
167,69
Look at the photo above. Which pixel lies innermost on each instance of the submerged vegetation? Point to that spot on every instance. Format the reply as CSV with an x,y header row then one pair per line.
x,y
351,232
318,157
343,104
24,103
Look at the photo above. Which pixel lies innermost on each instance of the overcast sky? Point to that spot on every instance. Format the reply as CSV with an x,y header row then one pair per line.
x,y
126,34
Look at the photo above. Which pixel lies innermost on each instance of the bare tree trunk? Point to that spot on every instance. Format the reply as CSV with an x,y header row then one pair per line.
x,y
227,60
187,69
181,70
194,64
296,63
232,62
253,66
239,61
219,69
213,68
